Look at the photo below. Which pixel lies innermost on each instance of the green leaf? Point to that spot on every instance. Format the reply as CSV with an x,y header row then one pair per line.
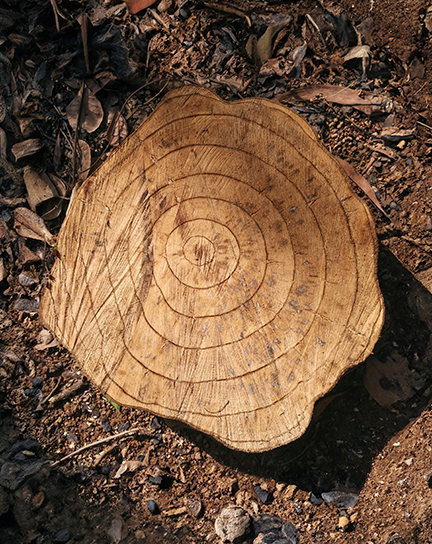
x,y
116,406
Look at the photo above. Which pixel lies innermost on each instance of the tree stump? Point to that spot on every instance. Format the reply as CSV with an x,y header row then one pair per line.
x,y
218,269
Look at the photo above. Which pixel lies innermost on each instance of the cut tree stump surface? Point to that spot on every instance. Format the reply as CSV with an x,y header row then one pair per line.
x,y
218,269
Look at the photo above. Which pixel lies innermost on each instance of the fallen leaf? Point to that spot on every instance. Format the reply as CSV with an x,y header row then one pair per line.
x,y
46,340
26,255
296,57
357,52
38,189
86,107
388,382
29,225
361,182
370,104
394,134
260,50
127,466
51,209
416,69
26,148
137,5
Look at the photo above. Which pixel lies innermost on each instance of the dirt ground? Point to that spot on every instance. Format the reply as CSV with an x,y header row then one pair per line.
x,y
164,482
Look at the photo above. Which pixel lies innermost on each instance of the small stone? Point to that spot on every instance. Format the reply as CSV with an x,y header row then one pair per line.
x,y
233,524
153,507
341,499
343,523
29,305
195,508
123,427
37,382
26,281
263,495
155,423
62,536
105,424
267,524
314,499
409,462
290,532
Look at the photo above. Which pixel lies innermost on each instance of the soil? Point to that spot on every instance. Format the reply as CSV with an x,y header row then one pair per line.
x,y
374,439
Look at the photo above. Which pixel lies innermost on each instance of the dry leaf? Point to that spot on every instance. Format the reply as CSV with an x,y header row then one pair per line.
x,y
51,209
394,134
262,49
26,148
117,130
46,340
91,111
137,5
127,466
357,52
361,182
388,382
84,157
370,104
26,255
38,189
29,225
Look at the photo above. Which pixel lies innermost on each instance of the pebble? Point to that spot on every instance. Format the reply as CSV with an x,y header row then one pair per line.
x,y
195,508
153,507
314,499
37,382
26,281
262,494
273,530
341,499
290,532
123,427
343,523
233,523
105,424
29,305
62,536
155,423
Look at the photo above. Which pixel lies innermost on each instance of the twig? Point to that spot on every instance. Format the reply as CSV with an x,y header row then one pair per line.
x,y
424,125
227,9
68,392
56,14
46,399
84,36
97,443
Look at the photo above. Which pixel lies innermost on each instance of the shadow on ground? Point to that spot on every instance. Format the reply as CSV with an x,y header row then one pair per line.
x,y
340,445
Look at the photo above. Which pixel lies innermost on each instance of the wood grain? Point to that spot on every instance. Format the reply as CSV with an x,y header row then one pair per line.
x,y
218,269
